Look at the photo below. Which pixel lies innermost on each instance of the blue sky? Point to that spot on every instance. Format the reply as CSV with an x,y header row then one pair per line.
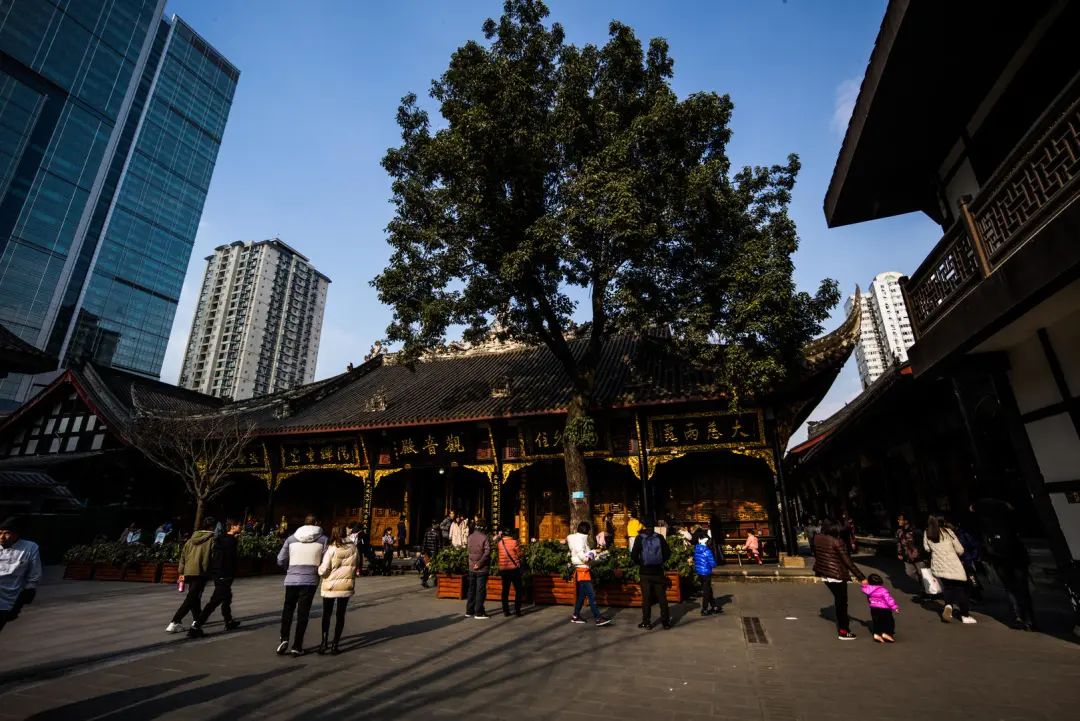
x,y
321,80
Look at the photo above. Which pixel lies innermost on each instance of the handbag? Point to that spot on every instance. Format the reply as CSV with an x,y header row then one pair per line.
x,y
931,585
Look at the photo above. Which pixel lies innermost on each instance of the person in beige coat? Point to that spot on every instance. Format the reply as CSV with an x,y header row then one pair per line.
x,y
338,573
945,550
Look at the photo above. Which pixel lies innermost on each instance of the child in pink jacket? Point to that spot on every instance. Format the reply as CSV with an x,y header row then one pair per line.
x,y
753,545
882,606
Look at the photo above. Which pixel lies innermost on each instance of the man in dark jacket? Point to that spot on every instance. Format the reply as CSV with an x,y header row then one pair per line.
x,y
402,535
1006,554
650,552
223,558
433,543
193,571
479,547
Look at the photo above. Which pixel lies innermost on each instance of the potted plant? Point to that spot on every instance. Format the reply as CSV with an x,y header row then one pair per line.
x,y
79,563
141,564
250,551
110,560
450,566
168,554
550,572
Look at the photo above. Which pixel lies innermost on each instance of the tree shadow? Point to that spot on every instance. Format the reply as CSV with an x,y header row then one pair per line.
x,y
401,630
99,705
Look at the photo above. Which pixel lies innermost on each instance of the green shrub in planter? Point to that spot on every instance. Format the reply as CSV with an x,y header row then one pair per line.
x,y
168,552
79,554
682,556
112,554
451,560
548,557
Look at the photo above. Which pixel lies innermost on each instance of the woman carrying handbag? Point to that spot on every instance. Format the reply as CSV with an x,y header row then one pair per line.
x,y
945,551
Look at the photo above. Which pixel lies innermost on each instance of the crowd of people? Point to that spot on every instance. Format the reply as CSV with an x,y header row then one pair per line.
x,y
945,558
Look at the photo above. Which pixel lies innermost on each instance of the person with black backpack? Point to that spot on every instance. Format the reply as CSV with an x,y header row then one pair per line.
x,y
1007,555
651,552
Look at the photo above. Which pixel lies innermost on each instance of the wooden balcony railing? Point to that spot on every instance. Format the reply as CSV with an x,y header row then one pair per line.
x,y
1039,178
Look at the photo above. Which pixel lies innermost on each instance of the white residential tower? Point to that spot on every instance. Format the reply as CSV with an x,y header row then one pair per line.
x,y
886,330
257,324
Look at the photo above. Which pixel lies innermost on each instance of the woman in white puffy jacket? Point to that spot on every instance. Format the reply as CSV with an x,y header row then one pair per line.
x,y
945,550
338,573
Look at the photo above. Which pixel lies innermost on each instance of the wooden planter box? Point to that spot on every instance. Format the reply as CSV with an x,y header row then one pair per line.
x,y
79,571
494,589
553,590
451,586
270,567
108,572
169,573
142,573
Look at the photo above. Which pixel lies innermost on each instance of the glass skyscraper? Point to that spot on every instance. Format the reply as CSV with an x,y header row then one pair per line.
x,y
110,122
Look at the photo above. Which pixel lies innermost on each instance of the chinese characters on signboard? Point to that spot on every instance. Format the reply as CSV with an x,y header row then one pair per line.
x,y
319,454
705,429
434,447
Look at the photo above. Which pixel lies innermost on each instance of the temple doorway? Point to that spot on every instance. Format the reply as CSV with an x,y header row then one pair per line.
x,y
244,499
334,497
424,495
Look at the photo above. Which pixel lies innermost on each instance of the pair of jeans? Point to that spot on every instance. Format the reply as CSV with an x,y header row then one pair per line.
x,y
585,590
882,621
707,600
193,600
297,599
839,592
328,611
1015,580
511,578
654,590
956,595
477,593
222,596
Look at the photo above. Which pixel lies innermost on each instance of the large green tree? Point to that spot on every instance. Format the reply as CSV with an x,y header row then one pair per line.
x,y
561,166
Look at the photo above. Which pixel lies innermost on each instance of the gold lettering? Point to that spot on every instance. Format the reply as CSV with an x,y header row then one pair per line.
x,y
712,432
453,444
408,448
691,432
542,440
431,445
669,434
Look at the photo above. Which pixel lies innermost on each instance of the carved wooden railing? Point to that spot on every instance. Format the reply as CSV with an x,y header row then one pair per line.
x,y
948,272
1039,178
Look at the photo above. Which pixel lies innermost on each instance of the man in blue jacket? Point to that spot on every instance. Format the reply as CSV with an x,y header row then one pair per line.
x,y
20,571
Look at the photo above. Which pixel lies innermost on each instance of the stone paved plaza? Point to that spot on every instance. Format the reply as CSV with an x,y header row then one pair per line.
x,y
92,650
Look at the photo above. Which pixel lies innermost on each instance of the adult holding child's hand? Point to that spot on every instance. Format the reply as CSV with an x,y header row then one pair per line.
x,y
834,566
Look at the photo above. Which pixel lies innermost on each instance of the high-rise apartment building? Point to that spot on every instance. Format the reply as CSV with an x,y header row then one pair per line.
x,y
256,328
110,122
886,333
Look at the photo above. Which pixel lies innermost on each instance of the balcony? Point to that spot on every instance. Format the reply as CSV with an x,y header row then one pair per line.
x,y
1037,182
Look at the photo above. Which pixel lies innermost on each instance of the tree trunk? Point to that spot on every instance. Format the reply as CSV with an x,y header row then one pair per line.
x,y
577,478
198,513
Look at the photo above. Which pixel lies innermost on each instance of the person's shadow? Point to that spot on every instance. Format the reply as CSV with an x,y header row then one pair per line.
x,y
149,702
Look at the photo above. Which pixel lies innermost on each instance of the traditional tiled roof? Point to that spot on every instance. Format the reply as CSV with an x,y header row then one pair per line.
x,y
479,383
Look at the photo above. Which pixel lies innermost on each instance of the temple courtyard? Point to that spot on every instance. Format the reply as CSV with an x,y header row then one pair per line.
x,y
96,650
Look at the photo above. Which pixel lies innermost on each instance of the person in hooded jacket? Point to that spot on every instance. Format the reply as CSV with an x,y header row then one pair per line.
x,y
651,551
223,557
338,573
300,556
704,563
194,571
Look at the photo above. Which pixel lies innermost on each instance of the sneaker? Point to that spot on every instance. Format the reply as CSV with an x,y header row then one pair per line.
x,y
718,609
846,636
968,619
666,625
706,612
232,625
602,620
468,615
946,614
282,647
645,625
577,619
195,632
481,616
878,638
174,628
296,652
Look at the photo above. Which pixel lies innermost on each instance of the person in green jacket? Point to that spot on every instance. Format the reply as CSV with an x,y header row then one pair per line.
x,y
194,572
